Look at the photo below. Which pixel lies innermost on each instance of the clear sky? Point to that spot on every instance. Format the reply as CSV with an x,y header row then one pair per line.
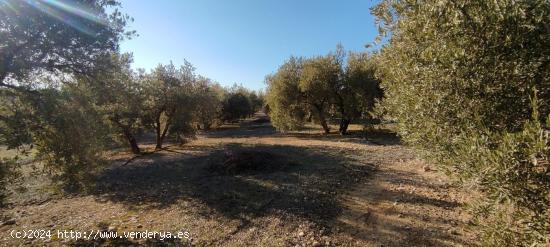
x,y
243,40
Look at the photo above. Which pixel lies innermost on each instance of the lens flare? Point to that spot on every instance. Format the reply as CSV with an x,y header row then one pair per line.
x,y
7,4
77,16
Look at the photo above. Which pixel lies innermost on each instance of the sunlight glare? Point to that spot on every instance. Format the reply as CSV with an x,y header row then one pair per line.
x,y
71,14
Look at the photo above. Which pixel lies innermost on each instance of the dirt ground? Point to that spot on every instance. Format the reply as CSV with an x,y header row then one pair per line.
x,y
331,191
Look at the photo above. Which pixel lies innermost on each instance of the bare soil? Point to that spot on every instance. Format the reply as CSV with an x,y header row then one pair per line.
x,y
248,185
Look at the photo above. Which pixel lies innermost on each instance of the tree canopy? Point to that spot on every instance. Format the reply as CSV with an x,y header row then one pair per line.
x,y
322,86
469,82
56,38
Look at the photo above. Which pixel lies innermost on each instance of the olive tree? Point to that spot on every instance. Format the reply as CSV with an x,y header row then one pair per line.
x,y
64,128
321,85
43,45
257,100
168,99
287,110
236,104
48,36
318,79
115,89
208,97
469,83
361,88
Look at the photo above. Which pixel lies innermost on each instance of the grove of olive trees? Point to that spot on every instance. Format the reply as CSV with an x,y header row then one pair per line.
x,y
70,94
323,85
465,84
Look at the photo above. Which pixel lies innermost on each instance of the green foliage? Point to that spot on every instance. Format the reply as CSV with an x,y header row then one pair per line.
x,y
7,174
44,45
71,138
240,106
41,36
208,97
236,106
286,108
361,88
318,79
168,101
320,86
458,76
257,101
66,132
13,119
117,94
513,170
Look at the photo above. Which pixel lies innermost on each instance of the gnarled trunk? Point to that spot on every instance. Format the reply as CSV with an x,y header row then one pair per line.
x,y
161,131
129,136
158,133
322,119
133,142
344,123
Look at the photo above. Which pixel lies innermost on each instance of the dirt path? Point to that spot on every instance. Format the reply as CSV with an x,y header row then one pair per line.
x,y
334,191
404,205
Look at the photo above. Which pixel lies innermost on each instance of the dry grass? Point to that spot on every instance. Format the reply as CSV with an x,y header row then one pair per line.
x,y
330,190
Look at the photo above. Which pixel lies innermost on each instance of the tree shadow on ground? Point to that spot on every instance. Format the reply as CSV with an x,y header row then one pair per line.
x,y
391,215
308,188
372,137
248,129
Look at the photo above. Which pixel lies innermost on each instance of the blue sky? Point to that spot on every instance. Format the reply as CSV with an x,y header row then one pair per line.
x,y
241,41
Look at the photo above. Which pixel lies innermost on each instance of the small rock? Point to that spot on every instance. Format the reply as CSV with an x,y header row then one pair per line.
x,y
427,168
301,234
9,222
139,226
315,244
111,229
